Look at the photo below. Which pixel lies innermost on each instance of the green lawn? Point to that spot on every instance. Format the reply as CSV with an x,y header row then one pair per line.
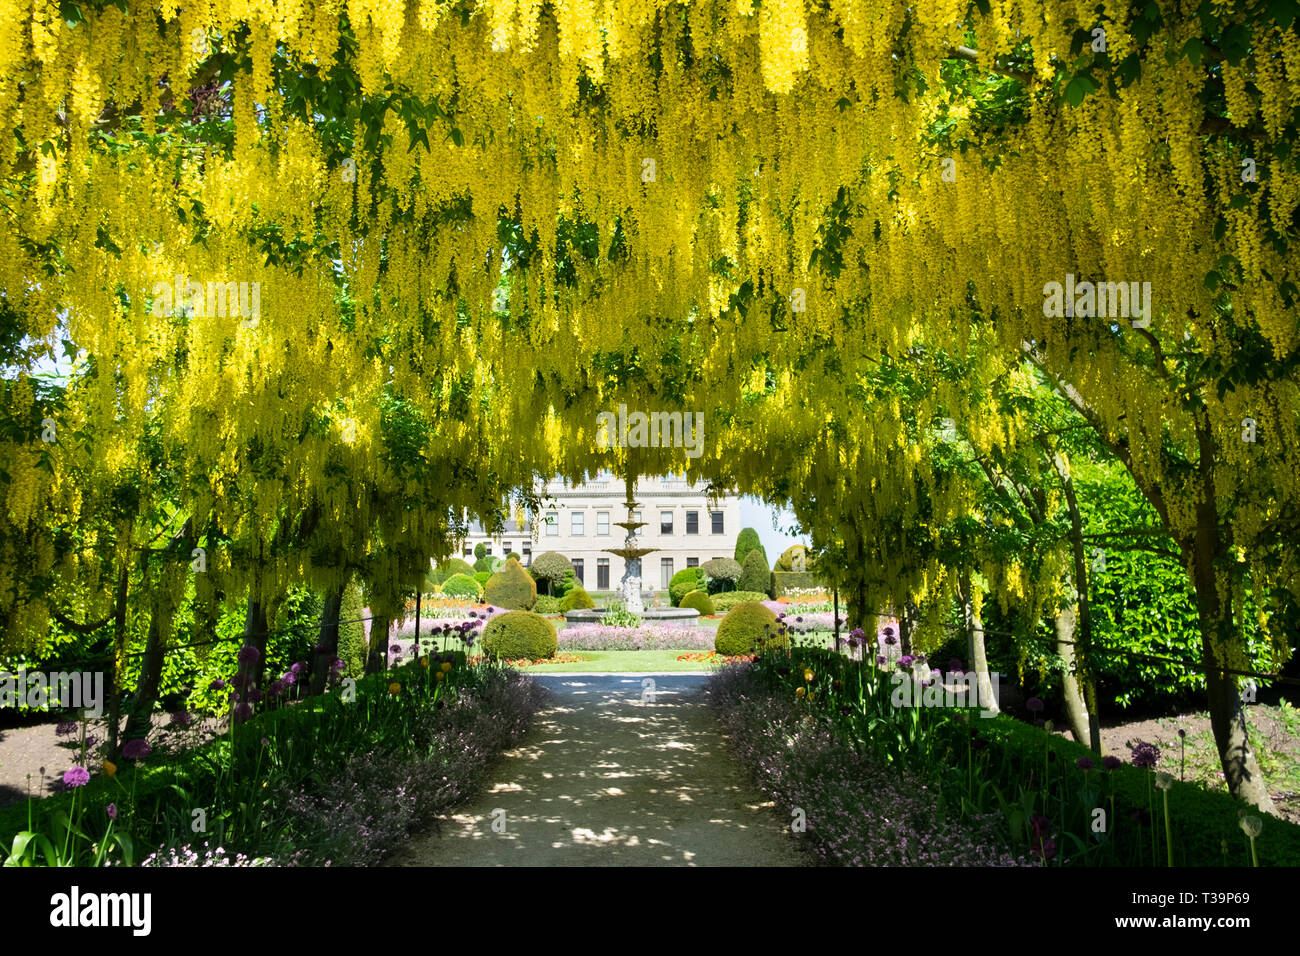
x,y
656,662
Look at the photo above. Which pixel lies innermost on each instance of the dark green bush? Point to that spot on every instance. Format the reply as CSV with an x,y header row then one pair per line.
x,y
549,568
749,627
480,551
683,582
755,575
576,599
700,601
511,588
449,567
727,600
518,635
746,543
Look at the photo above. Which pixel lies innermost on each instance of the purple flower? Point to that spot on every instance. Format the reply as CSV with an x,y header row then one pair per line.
x,y
265,742
217,684
338,665
255,695
66,727
76,777
1034,705
242,713
136,749
288,678
1181,732
881,660
248,654
111,810
954,665
1110,763
890,639
1145,755
298,668
395,648
181,719
1084,763
906,661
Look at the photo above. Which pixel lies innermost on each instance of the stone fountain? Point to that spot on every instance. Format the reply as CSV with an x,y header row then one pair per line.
x,y
630,584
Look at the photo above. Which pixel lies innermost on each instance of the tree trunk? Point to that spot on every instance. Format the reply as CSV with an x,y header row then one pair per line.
x,y
327,643
377,659
119,646
139,722
254,636
979,661
1227,715
1076,709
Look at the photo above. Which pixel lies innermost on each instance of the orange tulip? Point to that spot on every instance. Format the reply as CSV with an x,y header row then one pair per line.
x,y
394,688
446,667
110,768
441,675
799,691
424,662
808,675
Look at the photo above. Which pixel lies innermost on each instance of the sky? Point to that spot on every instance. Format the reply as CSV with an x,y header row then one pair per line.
x,y
772,526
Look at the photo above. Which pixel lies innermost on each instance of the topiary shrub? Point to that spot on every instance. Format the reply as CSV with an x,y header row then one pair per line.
x,y
683,583
511,588
446,569
482,577
726,601
462,586
789,557
575,599
548,569
700,601
755,575
516,555
749,627
546,604
746,542
480,551
520,635
352,633
487,564
721,574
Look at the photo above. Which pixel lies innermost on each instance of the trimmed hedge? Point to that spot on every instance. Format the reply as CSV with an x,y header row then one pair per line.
x,y
549,568
511,588
721,574
786,561
785,581
576,599
352,632
482,577
746,542
683,583
700,601
519,635
749,627
727,600
451,566
546,604
462,586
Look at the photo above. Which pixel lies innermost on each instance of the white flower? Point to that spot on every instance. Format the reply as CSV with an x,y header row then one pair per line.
x,y
1251,826
1164,781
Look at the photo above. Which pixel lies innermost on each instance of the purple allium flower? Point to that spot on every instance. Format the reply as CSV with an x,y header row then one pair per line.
x,y
248,654
242,713
1145,755
906,661
891,640
265,742
1084,763
66,727
955,665
338,665
1110,763
395,648
288,678
217,684
881,660
1181,732
1034,705
254,695
136,749
76,777
298,668
181,718
111,810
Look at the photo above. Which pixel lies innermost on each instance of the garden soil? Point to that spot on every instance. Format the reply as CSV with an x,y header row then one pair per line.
x,y
607,778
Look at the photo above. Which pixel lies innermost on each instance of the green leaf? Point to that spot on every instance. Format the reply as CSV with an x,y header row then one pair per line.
x,y
1078,88
1194,50
456,136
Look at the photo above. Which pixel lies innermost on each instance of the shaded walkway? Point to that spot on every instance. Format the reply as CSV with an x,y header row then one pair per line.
x,y
607,779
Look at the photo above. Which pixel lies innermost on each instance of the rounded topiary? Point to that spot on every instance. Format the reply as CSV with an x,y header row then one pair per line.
x,y
721,574
749,627
449,567
520,635
486,564
480,550
700,601
683,583
755,575
575,599
462,586
786,561
516,555
746,542
549,568
511,588
482,577
726,601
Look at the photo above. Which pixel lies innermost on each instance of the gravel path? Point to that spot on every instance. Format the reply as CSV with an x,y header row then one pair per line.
x,y
607,779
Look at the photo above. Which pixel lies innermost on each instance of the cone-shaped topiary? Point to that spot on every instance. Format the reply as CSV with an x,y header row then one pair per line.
x,y
746,542
683,583
511,588
352,633
462,586
700,601
576,598
520,635
747,628
755,576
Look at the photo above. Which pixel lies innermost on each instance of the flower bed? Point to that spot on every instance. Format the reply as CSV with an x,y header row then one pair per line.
x,y
647,637
857,812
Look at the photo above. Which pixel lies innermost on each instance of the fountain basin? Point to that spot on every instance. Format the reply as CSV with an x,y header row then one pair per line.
x,y
680,616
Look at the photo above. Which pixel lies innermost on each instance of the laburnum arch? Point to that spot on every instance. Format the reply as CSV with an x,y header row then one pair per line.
x,y
431,242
